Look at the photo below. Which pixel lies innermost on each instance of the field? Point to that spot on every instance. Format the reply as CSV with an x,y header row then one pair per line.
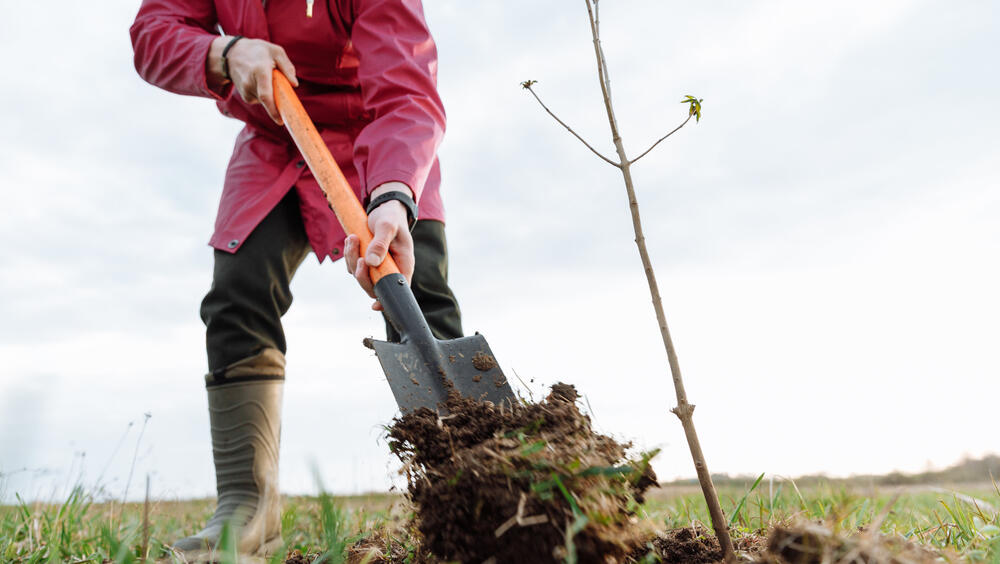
x,y
533,482
958,523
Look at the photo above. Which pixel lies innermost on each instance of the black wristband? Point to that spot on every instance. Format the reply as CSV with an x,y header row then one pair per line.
x,y
225,61
403,198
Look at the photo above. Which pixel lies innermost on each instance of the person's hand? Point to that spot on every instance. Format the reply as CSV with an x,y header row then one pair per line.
x,y
391,234
250,64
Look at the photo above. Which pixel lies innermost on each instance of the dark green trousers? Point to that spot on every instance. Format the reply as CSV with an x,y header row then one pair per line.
x,y
250,289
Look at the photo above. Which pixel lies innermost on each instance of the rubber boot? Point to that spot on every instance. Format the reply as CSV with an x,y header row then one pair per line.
x,y
244,405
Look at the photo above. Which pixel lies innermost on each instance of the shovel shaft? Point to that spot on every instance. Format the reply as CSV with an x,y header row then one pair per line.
x,y
338,192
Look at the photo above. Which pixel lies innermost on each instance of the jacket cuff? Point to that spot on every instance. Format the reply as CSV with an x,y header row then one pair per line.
x,y
223,92
381,177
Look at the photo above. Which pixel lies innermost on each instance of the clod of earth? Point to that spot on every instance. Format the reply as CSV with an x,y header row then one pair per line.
x,y
815,544
529,482
484,362
296,557
688,545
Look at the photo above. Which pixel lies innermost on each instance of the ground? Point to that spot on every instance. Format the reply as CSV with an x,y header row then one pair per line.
x,y
80,530
532,482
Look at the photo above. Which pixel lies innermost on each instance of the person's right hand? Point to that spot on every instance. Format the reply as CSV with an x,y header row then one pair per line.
x,y
250,64
390,235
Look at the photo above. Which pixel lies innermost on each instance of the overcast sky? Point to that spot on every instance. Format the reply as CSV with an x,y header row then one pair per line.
x,y
826,242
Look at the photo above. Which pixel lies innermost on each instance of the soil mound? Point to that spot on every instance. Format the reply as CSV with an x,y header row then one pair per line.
x,y
816,544
296,557
680,546
530,482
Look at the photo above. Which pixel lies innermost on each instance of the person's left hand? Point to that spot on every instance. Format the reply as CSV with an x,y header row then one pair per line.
x,y
391,234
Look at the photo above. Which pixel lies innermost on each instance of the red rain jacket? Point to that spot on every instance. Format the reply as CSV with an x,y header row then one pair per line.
x,y
367,73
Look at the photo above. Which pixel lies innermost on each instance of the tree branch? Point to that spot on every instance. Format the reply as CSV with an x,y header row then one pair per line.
x,y
597,19
527,86
661,139
602,74
602,66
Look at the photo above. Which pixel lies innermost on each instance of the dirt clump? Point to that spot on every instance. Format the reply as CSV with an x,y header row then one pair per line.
x,y
689,545
810,543
484,362
389,545
297,557
528,482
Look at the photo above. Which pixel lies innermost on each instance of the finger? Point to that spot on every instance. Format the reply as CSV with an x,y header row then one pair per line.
x,y
285,65
385,232
247,88
401,249
351,251
364,278
265,94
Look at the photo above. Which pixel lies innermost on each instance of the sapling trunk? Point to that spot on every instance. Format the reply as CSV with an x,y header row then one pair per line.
x,y
684,410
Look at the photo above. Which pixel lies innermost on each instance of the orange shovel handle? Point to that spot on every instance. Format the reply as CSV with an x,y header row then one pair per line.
x,y
338,192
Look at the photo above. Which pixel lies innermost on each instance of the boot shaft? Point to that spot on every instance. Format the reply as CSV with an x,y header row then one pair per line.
x,y
244,407
245,420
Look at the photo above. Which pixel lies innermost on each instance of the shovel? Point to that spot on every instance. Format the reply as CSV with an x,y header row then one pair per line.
x,y
421,369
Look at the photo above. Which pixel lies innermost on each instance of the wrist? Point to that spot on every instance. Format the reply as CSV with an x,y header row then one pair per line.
x,y
386,195
225,54
213,63
393,186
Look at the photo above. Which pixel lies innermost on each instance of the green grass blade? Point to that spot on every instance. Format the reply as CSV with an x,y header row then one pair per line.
x,y
739,506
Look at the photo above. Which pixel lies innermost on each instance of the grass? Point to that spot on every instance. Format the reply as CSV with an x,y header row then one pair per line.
x,y
964,524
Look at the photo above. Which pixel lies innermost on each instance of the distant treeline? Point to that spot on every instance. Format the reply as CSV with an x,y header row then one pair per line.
x,y
968,470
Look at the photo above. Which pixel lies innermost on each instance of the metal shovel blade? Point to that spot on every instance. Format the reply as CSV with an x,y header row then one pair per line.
x,y
465,365
421,369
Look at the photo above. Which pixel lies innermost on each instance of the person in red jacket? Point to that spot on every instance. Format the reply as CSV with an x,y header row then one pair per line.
x,y
365,71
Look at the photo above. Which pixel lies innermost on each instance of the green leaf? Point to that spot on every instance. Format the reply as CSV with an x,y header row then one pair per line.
x,y
568,496
533,448
606,471
540,487
695,107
